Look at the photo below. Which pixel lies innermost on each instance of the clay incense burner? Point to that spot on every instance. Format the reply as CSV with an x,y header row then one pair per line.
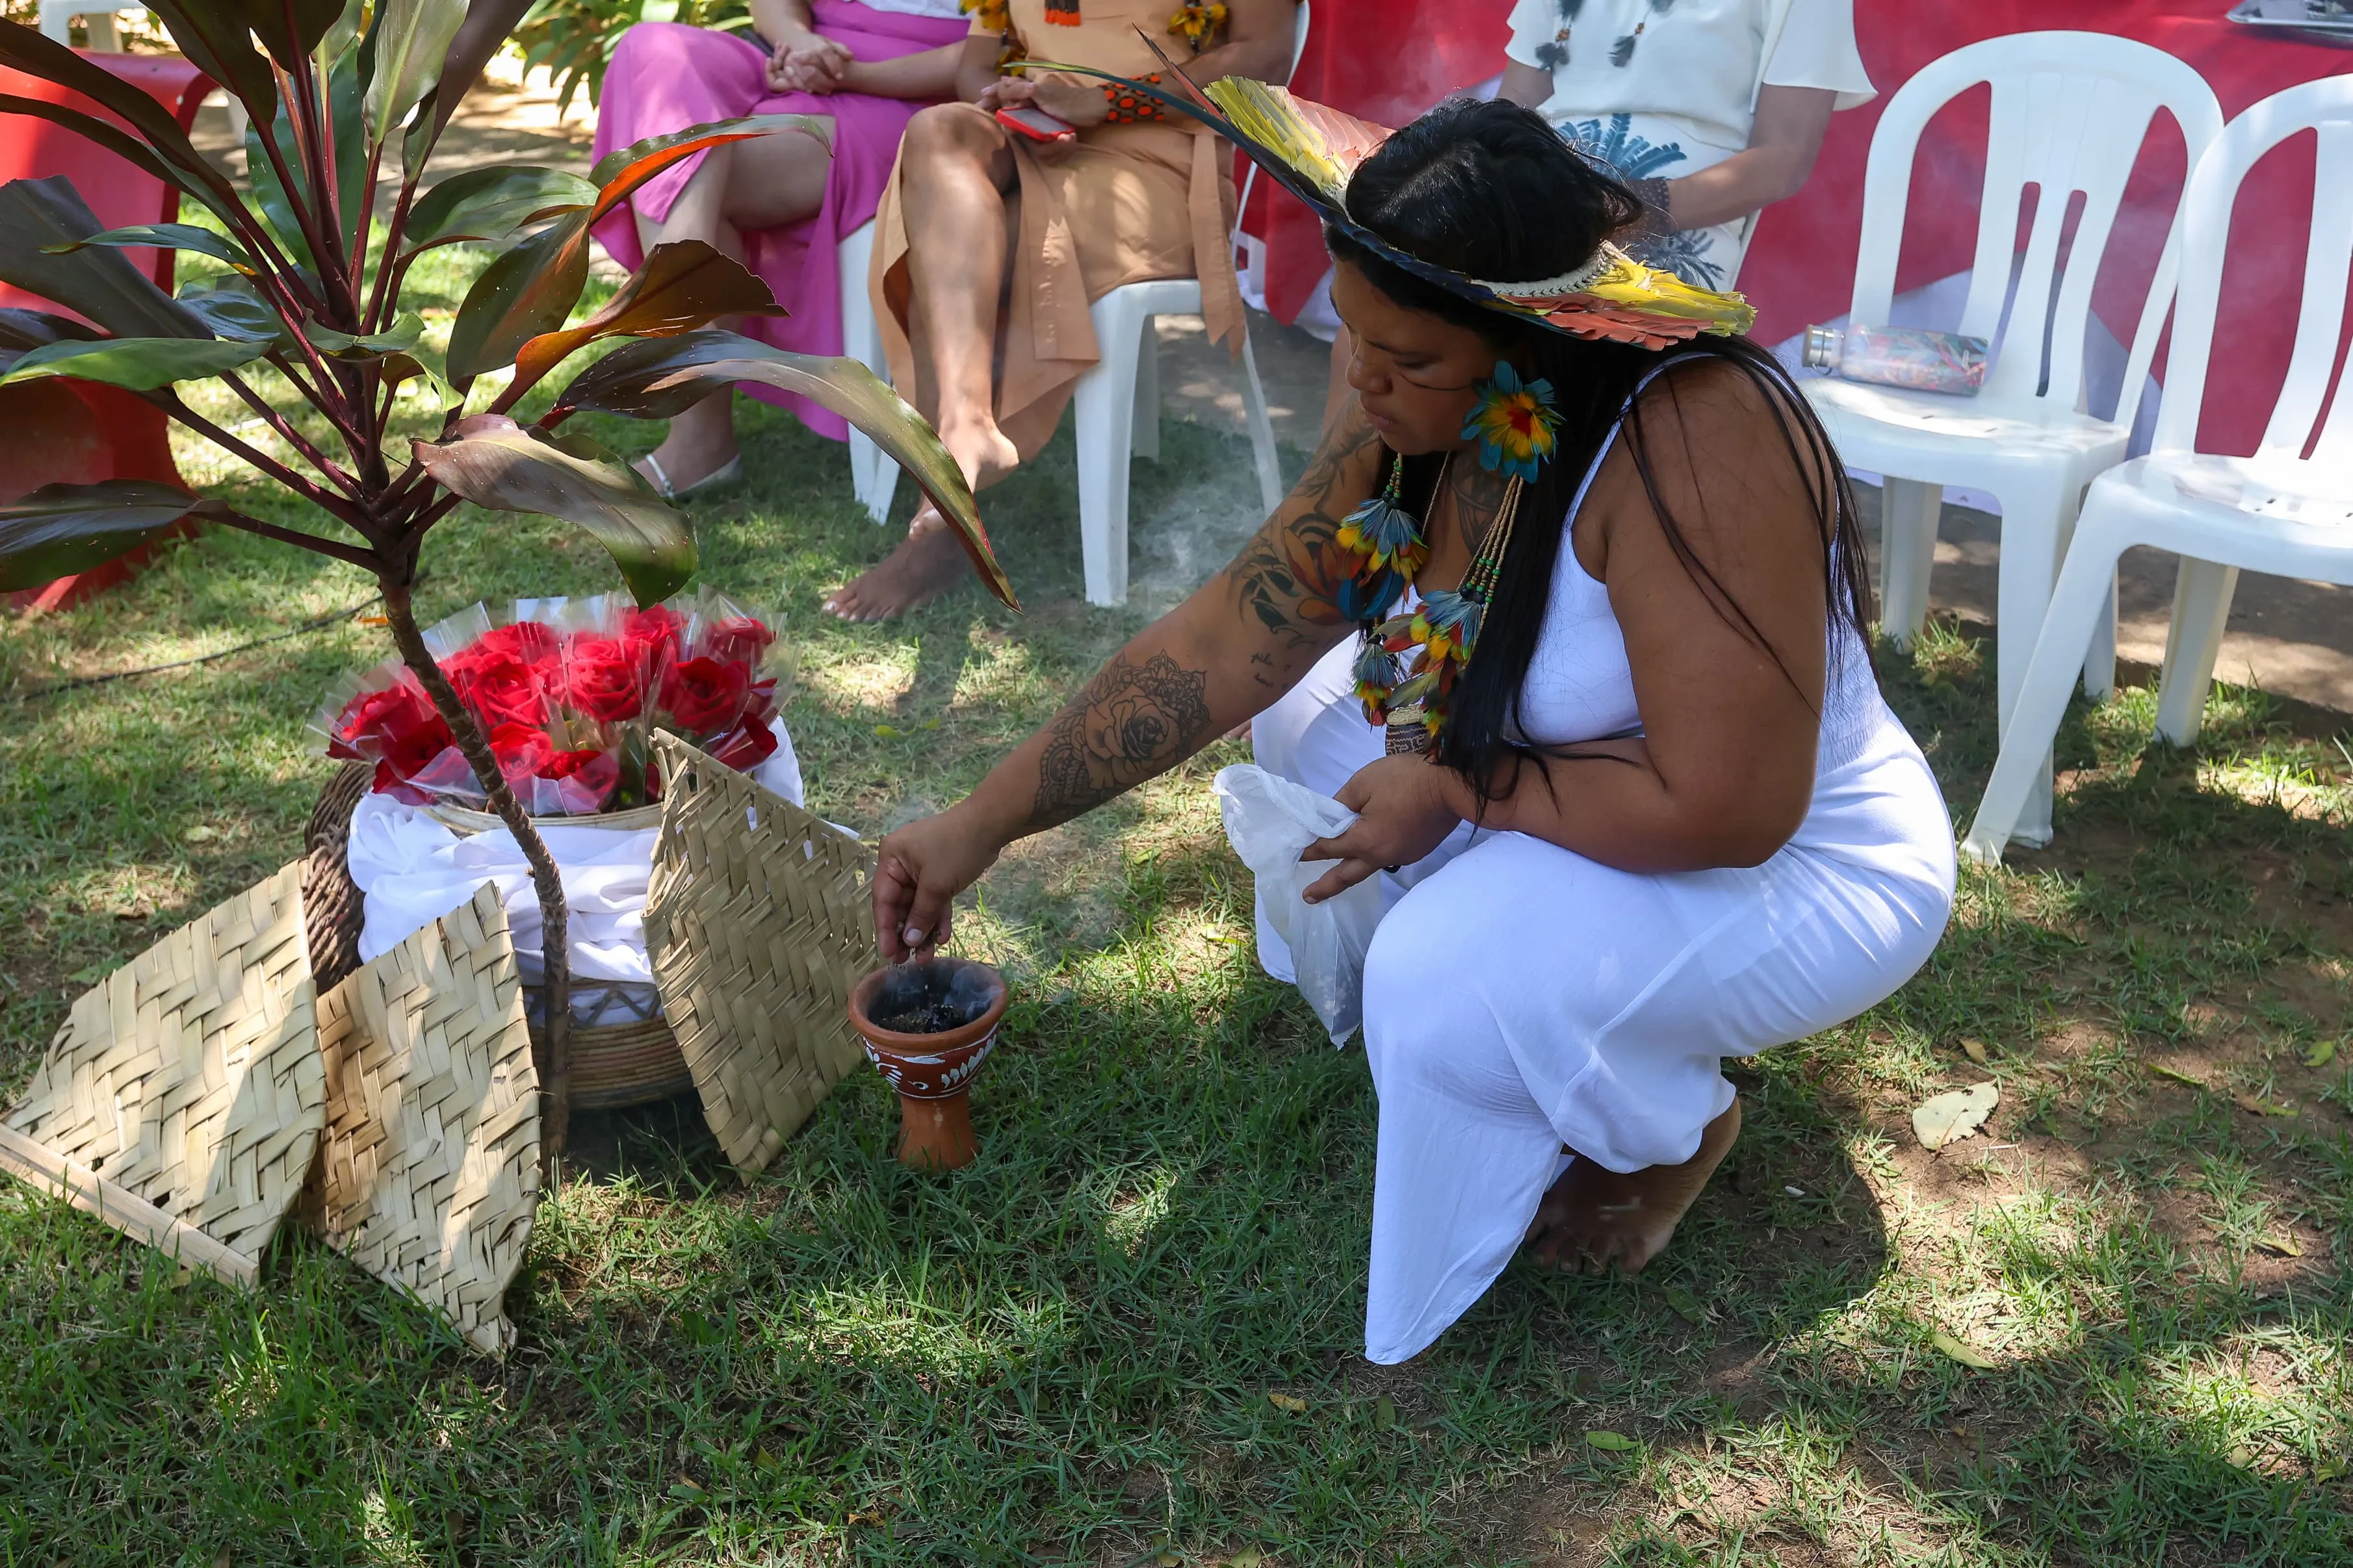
x,y
928,1025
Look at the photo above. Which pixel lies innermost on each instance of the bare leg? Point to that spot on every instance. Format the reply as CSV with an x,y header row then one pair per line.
x,y
1594,1218
761,184
956,167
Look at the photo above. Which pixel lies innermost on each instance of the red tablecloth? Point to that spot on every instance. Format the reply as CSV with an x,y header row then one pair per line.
x,y
1800,267
1384,60
77,432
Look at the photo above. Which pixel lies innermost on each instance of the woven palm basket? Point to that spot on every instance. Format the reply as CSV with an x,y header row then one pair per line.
x,y
759,921
624,1059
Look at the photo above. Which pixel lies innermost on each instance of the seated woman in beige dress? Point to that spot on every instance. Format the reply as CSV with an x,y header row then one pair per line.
x,y
987,339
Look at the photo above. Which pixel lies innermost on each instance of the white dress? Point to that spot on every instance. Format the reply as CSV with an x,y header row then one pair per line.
x,y
1519,997
1661,88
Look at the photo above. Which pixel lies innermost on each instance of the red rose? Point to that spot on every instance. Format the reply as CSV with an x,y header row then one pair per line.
x,y
530,641
752,743
587,778
759,703
657,630
397,727
498,686
568,765
704,696
603,677
387,782
521,750
738,638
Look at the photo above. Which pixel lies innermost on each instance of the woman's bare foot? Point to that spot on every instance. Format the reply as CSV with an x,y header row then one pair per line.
x,y
1594,1218
928,562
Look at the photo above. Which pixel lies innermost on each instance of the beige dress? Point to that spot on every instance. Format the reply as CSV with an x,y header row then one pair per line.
x,y
1122,204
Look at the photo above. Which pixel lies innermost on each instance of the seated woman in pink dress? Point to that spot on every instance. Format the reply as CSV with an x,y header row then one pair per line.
x,y
779,204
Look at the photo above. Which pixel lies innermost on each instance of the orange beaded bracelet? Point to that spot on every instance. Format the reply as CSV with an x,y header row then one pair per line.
x,y
1128,108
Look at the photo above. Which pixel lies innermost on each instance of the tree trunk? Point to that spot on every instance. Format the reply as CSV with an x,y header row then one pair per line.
x,y
556,986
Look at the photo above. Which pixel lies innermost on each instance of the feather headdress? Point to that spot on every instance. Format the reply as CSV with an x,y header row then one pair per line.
x,y
1311,150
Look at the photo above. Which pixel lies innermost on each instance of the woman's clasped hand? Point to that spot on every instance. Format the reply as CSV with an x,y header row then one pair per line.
x,y
1405,806
804,61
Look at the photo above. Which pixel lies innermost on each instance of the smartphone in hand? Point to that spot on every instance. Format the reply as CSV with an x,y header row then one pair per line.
x,y
1036,124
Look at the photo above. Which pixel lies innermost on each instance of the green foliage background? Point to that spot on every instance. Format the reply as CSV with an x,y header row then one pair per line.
x,y
573,40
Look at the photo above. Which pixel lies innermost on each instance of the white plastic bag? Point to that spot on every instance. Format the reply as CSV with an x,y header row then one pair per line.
x,y
1269,820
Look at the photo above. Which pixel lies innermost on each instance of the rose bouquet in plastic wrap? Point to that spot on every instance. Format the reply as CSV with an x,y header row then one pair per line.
x,y
569,692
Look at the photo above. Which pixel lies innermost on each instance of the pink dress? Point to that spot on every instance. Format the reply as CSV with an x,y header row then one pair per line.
x,y
665,78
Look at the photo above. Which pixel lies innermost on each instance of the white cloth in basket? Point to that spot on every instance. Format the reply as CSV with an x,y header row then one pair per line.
x,y
411,870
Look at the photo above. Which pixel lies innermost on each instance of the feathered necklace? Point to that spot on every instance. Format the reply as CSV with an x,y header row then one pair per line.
x,y
1411,660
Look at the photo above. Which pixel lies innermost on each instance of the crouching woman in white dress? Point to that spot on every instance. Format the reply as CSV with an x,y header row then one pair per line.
x,y
1667,817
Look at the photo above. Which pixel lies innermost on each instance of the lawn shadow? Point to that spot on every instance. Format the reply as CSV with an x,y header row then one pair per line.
x,y
666,1145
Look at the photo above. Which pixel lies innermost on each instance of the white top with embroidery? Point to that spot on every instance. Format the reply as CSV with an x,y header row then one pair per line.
x,y
1694,63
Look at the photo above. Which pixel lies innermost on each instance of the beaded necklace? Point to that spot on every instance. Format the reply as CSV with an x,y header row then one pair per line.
x,y
1411,662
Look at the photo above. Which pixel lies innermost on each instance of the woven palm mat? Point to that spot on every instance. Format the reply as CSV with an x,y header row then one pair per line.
x,y
190,1076
759,921
432,1148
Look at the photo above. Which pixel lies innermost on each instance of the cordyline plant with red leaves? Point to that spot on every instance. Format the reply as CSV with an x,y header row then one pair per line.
x,y
333,90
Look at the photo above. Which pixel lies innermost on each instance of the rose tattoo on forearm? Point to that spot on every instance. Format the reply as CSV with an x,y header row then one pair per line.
x,y
1132,722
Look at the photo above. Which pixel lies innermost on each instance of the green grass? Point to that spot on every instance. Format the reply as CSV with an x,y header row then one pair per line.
x,y
1064,1354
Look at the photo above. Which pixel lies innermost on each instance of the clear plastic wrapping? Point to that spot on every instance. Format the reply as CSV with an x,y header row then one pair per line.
x,y
1911,357
568,692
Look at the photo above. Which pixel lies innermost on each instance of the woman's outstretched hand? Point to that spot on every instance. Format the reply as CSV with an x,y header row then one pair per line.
x,y
921,870
1401,816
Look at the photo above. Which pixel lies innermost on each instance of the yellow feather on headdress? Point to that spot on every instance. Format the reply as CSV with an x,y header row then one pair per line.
x,y
1620,299
1321,144
1626,285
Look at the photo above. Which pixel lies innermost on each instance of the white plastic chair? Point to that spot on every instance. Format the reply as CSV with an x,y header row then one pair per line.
x,y
1122,319
57,19
1116,405
872,475
2069,114
2278,511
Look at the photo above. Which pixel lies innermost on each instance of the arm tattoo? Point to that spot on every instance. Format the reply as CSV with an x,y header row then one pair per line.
x,y
1132,722
1288,575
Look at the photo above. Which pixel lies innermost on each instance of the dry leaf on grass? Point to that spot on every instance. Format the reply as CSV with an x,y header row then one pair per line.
x,y
2255,1106
1291,1404
2285,1245
1954,1115
1968,1355
1975,1049
1248,1557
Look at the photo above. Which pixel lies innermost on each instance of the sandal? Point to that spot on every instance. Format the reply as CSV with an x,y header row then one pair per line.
x,y
726,474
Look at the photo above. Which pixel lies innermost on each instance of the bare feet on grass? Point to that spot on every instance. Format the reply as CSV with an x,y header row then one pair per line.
x,y
1594,1218
929,560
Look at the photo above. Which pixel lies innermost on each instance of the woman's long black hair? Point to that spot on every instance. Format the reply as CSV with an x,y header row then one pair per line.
x,y
1491,191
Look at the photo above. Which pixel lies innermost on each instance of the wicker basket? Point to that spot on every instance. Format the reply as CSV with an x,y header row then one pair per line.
x,y
631,1060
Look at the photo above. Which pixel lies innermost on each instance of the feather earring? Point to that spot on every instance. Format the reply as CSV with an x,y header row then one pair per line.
x,y
1513,422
